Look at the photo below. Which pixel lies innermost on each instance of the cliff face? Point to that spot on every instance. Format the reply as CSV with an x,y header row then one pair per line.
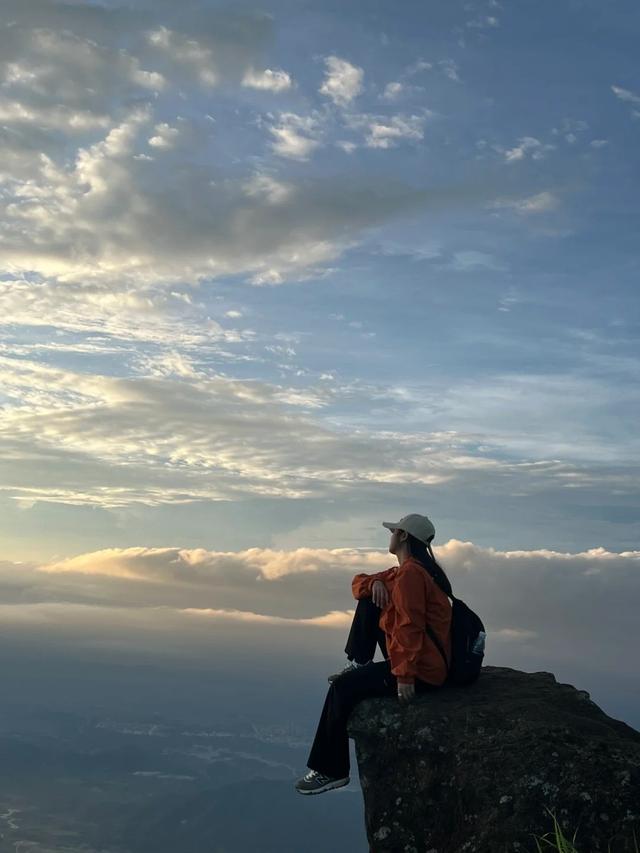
x,y
475,769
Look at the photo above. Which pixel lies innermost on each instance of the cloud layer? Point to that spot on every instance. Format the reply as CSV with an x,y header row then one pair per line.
x,y
180,433
539,606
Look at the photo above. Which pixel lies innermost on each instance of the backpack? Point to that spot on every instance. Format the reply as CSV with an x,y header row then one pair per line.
x,y
467,643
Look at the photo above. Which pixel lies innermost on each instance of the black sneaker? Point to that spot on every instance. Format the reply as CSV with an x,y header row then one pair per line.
x,y
348,668
317,783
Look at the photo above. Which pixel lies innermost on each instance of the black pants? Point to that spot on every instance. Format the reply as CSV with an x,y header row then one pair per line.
x,y
330,751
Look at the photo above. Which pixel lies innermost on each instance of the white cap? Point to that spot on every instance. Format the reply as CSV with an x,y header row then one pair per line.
x,y
417,525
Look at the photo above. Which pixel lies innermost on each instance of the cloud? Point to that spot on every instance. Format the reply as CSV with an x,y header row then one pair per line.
x,y
484,22
628,97
180,435
392,91
200,566
470,259
294,136
113,311
557,416
211,47
180,432
387,135
109,194
417,67
335,619
425,251
88,106
625,95
449,67
87,64
186,51
539,606
528,146
106,215
262,185
165,136
388,131
110,197
267,80
510,298
47,74
18,114
539,203
570,129
343,81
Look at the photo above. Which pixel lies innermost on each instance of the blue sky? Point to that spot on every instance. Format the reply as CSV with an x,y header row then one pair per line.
x,y
273,274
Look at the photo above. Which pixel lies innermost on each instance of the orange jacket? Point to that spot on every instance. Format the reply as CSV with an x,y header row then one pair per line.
x,y
415,600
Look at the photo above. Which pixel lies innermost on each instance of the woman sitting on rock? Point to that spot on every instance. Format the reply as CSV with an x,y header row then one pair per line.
x,y
410,599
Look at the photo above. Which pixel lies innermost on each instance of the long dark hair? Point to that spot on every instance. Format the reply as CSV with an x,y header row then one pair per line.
x,y
423,554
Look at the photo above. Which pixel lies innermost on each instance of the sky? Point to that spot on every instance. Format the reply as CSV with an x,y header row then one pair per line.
x,y
273,273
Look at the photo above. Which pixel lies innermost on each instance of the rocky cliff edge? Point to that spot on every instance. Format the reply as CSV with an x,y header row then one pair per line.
x,y
475,770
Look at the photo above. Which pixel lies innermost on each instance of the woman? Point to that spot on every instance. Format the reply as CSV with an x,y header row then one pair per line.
x,y
410,599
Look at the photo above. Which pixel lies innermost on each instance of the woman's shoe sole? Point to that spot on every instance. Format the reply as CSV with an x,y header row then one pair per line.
x,y
336,783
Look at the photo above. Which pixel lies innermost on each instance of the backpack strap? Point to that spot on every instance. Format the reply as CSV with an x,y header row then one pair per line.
x,y
438,644
429,629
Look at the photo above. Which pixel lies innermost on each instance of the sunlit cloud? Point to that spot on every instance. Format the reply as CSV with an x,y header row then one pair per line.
x,y
528,146
165,136
547,604
343,81
267,80
336,619
179,433
387,132
62,227
294,136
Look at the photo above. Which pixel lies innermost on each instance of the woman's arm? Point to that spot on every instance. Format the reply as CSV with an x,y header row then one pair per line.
x,y
361,584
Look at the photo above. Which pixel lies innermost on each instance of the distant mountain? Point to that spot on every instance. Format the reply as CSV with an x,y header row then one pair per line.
x,y
86,783
257,816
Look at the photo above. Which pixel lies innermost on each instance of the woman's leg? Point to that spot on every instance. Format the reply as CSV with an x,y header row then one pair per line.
x,y
365,633
330,750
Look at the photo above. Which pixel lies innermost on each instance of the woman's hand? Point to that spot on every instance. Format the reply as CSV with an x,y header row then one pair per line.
x,y
406,692
379,594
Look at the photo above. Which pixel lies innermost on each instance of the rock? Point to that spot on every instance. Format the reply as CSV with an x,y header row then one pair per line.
x,y
474,770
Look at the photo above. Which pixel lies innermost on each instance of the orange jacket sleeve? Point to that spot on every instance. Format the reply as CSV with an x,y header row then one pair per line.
x,y
409,598
361,584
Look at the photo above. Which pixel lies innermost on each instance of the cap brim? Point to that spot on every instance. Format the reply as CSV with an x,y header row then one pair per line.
x,y
391,525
